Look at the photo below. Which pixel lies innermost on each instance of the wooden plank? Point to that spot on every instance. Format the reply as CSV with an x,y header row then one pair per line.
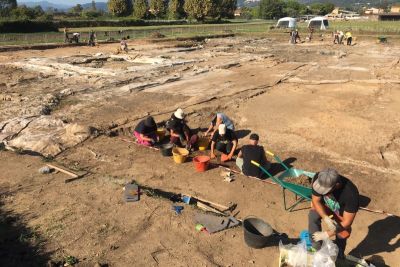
x,y
134,142
208,208
70,173
209,202
73,175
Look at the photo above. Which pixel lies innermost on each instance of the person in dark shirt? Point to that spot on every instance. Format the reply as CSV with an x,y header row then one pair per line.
x,y
146,132
335,201
250,152
224,140
179,131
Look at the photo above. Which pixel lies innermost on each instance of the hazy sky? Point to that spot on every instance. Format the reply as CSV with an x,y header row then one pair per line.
x,y
64,2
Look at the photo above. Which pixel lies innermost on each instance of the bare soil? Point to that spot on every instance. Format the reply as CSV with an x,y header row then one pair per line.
x,y
301,180
315,105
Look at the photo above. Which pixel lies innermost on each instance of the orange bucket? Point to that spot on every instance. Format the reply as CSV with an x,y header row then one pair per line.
x,y
201,163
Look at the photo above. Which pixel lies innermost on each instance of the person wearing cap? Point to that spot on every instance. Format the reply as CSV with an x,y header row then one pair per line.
x,y
146,132
250,152
224,140
217,119
179,131
335,201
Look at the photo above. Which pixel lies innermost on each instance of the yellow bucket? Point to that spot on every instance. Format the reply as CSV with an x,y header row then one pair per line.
x,y
180,154
203,143
161,133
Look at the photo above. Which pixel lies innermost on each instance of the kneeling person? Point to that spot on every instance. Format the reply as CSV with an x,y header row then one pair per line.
x,y
224,140
250,152
146,132
333,196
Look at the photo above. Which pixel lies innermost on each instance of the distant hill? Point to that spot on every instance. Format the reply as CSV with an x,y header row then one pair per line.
x,y
63,7
44,4
248,3
99,6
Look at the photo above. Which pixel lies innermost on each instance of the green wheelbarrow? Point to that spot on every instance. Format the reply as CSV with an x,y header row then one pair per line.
x,y
302,193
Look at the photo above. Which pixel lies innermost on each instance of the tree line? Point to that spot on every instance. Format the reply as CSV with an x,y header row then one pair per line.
x,y
274,9
169,9
173,9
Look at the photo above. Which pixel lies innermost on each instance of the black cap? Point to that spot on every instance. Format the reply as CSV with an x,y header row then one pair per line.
x,y
254,137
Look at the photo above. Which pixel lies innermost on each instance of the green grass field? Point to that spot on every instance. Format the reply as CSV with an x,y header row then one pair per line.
x,y
364,28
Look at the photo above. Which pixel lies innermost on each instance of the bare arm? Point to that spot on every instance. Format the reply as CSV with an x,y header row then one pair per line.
x,y
209,129
240,155
318,206
173,133
348,219
235,143
212,150
145,138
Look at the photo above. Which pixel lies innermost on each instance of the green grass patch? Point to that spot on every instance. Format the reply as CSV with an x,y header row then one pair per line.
x,y
365,28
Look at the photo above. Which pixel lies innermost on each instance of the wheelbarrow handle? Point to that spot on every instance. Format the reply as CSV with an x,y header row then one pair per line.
x,y
270,153
262,168
255,163
277,159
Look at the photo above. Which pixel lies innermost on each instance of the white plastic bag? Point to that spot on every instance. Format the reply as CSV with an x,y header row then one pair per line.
x,y
296,254
327,255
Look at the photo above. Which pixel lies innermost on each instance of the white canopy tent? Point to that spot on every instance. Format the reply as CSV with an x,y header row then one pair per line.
x,y
286,23
319,23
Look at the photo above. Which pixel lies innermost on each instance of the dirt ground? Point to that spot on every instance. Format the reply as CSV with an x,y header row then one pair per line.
x,y
314,104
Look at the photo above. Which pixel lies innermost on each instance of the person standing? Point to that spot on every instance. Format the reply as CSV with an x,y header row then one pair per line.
x,y
341,36
293,37
92,38
124,45
311,33
335,200
250,152
336,37
66,38
224,140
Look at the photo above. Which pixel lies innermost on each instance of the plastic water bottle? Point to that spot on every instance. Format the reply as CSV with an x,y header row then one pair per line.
x,y
305,237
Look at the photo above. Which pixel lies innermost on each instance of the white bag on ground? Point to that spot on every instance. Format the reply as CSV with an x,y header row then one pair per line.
x,y
296,254
327,255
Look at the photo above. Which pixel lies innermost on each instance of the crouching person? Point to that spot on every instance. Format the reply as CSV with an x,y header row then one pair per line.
x,y
250,152
225,141
335,201
146,132
180,132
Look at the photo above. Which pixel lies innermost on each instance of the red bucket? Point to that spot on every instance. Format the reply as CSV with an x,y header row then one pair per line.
x,y
201,163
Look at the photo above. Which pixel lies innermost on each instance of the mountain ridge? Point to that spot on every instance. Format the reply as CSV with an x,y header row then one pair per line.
x,y
47,4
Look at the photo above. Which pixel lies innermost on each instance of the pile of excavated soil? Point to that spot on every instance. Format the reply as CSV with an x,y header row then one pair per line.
x,y
301,180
